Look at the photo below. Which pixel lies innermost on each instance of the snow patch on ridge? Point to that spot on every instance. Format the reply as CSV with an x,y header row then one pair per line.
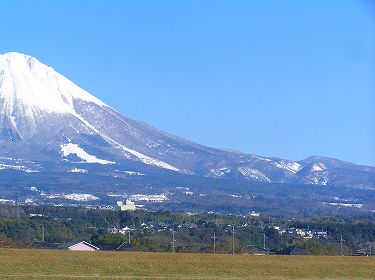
x,y
220,172
78,170
145,159
260,158
318,178
80,197
148,160
70,148
293,167
73,196
17,167
253,174
133,173
317,167
157,198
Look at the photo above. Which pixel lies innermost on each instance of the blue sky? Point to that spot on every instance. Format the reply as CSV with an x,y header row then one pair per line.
x,y
276,78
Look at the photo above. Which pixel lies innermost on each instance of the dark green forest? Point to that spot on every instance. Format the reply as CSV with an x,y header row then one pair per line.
x,y
33,226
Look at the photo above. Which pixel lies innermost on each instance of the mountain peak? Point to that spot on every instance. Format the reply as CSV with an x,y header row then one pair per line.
x,y
16,59
16,55
44,117
28,85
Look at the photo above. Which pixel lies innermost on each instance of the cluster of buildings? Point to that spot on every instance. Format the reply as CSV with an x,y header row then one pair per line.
x,y
262,251
126,205
307,233
129,203
302,232
82,246
153,226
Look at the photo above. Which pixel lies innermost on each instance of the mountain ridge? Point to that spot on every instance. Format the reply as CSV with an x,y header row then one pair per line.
x,y
45,117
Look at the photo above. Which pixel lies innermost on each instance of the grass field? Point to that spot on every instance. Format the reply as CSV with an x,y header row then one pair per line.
x,y
50,264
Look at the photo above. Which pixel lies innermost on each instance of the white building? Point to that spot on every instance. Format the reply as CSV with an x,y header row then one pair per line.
x,y
254,214
127,206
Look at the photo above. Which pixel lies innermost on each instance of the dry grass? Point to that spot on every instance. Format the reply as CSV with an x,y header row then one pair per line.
x,y
46,264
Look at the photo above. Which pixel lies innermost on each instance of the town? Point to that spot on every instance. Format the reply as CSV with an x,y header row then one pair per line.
x,y
125,227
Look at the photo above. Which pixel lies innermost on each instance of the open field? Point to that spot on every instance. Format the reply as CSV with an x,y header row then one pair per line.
x,y
50,264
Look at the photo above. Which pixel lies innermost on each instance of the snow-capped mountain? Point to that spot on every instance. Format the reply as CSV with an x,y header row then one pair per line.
x,y
54,125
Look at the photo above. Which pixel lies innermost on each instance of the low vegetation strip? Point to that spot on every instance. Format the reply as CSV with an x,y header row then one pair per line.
x,y
52,264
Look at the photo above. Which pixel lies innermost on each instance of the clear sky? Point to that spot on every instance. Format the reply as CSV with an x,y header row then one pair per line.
x,y
276,78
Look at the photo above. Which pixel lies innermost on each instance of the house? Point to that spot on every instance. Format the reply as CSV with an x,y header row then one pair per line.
x,y
78,246
293,250
304,233
321,233
127,206
36,215
363,252
256,250
42,245
113,230
125,230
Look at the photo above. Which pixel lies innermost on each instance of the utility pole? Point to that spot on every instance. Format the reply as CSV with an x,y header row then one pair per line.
x,y
264,241
42,233
341,240
129,235
370,250
233,239
214,237
17,201
173,241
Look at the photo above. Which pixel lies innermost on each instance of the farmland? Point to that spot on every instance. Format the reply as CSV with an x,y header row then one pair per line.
x,y
53,264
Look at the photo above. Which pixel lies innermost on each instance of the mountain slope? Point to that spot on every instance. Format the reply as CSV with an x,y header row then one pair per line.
x,y
45,118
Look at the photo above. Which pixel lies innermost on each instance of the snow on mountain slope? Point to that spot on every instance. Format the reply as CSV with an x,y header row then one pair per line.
x,y
31,93
149,160
293,167
47,118
254,174
315,173
28,83
70,148
318,167
17,167
220,172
